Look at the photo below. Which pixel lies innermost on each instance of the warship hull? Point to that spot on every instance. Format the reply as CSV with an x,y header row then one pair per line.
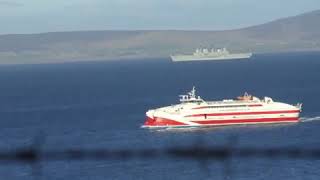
x,y
178,58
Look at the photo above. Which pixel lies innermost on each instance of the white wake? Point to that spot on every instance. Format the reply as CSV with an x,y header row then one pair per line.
x,y
308,119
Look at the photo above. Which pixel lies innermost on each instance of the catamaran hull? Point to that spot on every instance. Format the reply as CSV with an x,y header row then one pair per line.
x,y
290,116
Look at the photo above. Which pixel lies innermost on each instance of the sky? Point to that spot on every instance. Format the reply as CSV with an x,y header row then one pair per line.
x,y
36,16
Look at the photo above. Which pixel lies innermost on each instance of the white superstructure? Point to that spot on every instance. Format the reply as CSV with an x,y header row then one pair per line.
x,y
247,109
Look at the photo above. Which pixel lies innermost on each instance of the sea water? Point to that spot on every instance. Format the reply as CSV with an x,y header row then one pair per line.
x,y
101,105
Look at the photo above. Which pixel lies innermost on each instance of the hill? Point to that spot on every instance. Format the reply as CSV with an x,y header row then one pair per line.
x,y
298,33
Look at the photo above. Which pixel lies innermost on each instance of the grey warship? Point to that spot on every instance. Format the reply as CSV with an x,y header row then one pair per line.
x,y
213,54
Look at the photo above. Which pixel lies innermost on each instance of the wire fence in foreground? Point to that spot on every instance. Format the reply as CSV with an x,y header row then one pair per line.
x,y
203,154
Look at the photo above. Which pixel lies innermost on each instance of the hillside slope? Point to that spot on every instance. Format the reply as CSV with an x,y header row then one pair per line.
x,y
298,33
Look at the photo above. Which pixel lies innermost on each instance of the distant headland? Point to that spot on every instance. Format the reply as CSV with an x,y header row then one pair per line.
x,y
297,33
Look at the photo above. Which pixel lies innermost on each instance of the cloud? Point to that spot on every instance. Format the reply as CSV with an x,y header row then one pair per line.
x,y
10,4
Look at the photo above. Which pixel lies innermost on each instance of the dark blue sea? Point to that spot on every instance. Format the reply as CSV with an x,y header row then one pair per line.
x,y
101,105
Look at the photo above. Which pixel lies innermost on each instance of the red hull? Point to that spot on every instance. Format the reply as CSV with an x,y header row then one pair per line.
x,y
161,122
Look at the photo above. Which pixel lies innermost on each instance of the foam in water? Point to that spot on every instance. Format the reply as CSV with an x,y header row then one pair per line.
x,y
308,119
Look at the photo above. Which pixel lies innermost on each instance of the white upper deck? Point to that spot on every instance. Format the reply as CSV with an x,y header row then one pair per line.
x,y
245,99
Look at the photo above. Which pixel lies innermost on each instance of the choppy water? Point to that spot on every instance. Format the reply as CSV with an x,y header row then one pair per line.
x,y
102,105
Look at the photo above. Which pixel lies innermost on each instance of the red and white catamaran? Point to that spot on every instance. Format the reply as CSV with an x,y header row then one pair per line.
x,y
247,109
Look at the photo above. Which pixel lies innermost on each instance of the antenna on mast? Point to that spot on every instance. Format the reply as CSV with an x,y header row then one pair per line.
x,y
192,93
